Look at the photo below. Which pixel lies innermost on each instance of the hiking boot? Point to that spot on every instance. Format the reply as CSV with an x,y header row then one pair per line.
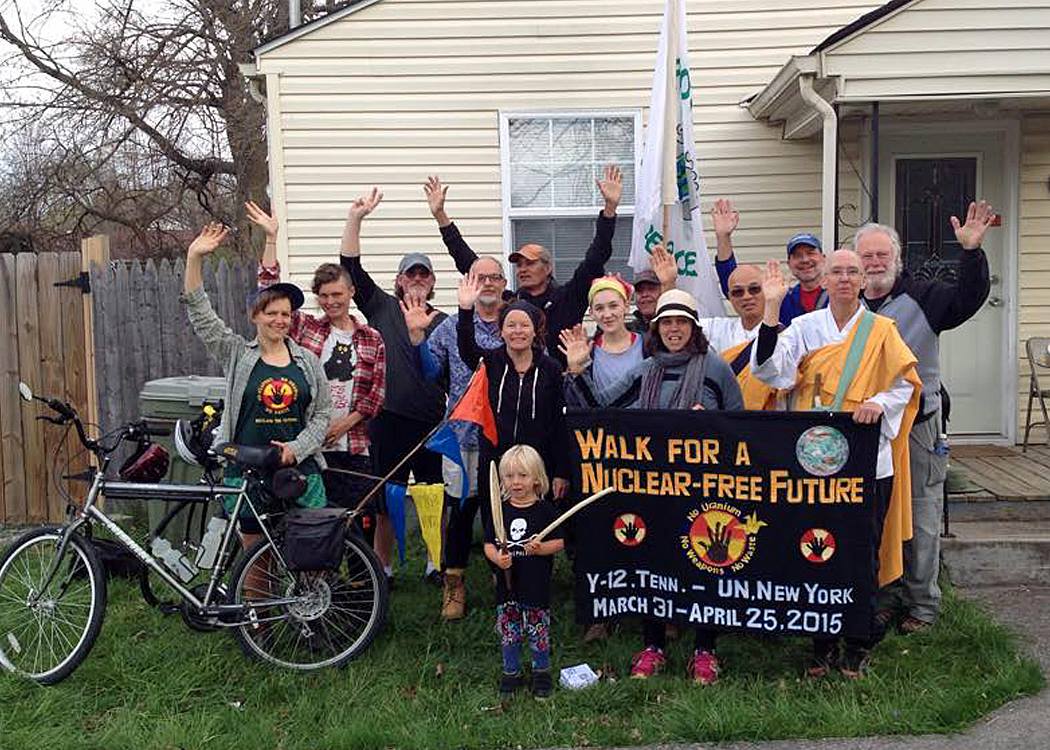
x,y
823,661
911,625
509,683
434,578
454,603
646,663
703,668
542,685
599,631
854,664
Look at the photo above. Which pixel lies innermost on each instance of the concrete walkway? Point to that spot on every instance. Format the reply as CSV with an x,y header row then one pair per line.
x,y
1021,724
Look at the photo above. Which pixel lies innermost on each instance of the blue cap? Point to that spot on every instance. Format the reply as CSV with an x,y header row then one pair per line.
x,y
803,238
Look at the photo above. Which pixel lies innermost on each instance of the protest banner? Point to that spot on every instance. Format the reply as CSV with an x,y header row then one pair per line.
x,y
743,521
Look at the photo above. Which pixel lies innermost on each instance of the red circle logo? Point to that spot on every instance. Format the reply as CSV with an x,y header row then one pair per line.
x,y
817,545
629,529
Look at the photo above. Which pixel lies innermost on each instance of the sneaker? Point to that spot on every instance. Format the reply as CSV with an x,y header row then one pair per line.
x,y
509,683
885,617
434,578
599,631
542,685
703,668
911,625
854,664
646,663
823,662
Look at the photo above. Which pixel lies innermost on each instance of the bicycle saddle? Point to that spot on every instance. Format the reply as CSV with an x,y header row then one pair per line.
x,y
264,457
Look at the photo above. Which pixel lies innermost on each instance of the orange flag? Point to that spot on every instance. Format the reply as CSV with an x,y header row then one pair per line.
x,y
474,406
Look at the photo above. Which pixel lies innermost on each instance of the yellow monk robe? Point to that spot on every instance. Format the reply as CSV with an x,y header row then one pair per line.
x,y
886,357
757,395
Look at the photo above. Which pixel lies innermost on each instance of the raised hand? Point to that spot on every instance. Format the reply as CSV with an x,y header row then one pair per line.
x,y
365,205
724,218
979,216
261,219
664,266
576,348
468,292
417,318
775,288
435,193
611,188
210,237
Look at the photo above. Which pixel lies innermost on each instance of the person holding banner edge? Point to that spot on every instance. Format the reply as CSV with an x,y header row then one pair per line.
x,y
680,374
846,358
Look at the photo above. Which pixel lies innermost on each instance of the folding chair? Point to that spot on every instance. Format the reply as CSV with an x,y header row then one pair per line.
x,y
946,416
1038,350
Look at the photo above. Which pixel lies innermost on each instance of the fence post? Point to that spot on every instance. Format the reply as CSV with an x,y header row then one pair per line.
x,y
94,249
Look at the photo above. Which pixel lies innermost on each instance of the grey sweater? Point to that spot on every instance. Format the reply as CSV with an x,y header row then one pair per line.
x,y
238,356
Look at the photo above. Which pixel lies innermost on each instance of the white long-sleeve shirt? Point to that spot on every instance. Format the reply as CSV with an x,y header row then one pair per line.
x,y
723,333
813,331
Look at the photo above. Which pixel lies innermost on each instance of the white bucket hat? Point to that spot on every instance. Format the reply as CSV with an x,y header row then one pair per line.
x,y
676,303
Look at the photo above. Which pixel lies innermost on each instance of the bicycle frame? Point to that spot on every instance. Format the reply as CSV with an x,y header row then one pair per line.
x,y
174,492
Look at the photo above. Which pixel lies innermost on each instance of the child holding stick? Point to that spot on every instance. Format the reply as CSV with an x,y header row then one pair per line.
x,y
523,568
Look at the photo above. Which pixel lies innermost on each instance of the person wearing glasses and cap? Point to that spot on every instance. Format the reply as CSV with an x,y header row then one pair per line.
x,y
563,306
414,405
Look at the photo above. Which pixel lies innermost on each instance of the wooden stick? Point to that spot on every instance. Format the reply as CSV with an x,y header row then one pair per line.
x,y
496,503
571,512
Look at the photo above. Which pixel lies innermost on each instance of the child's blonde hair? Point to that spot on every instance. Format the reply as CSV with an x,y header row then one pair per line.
x,y
526,458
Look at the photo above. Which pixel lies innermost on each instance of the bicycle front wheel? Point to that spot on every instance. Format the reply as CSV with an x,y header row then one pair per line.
x,y
333,617
46,633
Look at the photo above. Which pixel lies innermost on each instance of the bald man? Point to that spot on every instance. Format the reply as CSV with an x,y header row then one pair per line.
x,y
881,386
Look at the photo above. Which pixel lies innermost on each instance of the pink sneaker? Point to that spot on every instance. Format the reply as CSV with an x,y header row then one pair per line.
x,y
647,663
703,669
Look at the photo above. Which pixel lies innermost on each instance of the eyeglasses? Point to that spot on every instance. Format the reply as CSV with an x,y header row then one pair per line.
x,y
418,272
485,278
850,272
739,291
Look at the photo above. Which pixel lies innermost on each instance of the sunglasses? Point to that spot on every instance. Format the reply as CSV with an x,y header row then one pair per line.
x,y
417,272
739,291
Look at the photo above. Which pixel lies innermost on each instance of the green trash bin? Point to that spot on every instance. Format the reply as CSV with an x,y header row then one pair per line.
x,y
161,403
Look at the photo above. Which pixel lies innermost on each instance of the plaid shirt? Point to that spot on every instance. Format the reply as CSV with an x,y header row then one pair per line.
x,y
369,387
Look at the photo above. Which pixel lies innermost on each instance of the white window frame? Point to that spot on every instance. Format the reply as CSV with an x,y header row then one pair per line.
x,y
509,213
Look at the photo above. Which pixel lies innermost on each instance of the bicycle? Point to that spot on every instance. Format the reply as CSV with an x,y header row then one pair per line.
x,y
53,589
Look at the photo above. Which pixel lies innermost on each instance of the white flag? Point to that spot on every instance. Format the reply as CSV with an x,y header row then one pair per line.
x,y
669,139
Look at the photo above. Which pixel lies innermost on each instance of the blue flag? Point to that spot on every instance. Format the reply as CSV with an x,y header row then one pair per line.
x,y
395,509
445,442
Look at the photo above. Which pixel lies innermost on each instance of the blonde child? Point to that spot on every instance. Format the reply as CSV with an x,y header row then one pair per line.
x,y
523,570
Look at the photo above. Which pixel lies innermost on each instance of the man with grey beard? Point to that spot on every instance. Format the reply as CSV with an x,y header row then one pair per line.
x,y
922,309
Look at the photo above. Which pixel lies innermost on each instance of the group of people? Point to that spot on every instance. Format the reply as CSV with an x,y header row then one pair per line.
x,y
345,400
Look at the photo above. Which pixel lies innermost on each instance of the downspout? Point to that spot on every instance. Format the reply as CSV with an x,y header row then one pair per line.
x,y
829,200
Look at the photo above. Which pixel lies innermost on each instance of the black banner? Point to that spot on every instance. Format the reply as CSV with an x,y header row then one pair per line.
x,y
745,521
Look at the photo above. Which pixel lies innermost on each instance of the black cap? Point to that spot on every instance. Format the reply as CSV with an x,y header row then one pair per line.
x,y
291,291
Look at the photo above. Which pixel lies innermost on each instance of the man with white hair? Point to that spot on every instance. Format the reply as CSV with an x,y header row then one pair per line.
x,y
922,309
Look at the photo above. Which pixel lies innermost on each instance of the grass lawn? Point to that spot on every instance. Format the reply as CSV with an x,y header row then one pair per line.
x,y
152,683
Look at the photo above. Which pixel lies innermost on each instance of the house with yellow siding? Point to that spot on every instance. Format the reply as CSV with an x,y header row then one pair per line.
x,y
817,115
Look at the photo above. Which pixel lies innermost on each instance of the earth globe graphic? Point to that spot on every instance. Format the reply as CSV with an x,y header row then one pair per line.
x,y
822,450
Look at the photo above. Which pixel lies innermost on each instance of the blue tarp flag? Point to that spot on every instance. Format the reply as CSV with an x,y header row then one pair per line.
x,y
395,508
445,442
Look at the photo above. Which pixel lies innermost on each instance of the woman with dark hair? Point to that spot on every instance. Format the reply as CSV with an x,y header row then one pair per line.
x,y
276,391
679,374
525,386
353,357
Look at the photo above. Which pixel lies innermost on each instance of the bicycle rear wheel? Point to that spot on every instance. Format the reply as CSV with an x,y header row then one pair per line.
x,y
44,635
335,615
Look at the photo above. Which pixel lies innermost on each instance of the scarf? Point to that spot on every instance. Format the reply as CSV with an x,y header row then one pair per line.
x,y
689,384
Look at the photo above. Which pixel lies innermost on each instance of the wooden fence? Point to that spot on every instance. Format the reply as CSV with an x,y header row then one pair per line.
x,y
141,331
42,342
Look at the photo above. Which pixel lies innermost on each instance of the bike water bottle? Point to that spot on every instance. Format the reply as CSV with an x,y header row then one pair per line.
x,y
173,559
209,548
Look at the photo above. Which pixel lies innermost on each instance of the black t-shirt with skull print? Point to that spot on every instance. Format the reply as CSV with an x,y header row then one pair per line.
x,y
530,575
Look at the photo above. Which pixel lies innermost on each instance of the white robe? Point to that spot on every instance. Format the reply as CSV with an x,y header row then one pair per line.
x,y
813,331
724,333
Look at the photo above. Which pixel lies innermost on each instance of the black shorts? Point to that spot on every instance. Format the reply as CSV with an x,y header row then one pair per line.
x,y
347,490
392,437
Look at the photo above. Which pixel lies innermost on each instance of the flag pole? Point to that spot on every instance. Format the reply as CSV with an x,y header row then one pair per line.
x,y
669,160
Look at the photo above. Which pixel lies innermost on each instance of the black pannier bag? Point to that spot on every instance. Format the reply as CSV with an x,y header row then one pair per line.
x,y
313,538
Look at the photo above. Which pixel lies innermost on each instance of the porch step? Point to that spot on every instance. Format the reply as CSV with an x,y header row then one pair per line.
x,y
987,509
999,553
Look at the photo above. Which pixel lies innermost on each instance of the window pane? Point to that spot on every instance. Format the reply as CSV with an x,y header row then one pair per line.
x,y
568,240
554,161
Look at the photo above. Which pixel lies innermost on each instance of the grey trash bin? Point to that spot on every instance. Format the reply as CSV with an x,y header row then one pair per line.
x,y
161,403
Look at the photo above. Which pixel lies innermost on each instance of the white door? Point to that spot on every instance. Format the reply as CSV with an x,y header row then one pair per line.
x,y
924,178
